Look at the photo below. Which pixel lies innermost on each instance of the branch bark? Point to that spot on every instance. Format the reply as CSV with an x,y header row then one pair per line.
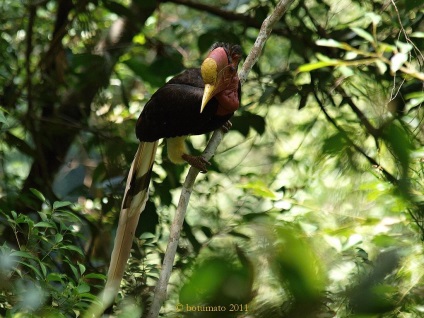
x,y
175,232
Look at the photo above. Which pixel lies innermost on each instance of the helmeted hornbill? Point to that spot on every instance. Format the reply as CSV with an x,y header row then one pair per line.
x,y
195,102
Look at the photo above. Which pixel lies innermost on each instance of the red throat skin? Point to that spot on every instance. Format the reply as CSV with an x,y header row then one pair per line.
x,y
228,99
228,102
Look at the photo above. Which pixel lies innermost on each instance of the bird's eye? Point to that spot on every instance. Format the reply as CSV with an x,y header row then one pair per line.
x,y
232,69
236,57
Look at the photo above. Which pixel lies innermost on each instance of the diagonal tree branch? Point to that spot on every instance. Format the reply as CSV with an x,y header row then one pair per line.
x,y
175,232
227,15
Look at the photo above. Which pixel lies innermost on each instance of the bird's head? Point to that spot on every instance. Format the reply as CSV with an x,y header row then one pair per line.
x,y
219,70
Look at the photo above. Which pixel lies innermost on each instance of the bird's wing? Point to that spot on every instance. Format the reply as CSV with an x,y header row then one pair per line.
x,y
174,110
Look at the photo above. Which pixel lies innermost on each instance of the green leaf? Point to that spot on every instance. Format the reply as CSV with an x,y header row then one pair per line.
x,y
153,273
61,204
397,61
49,313
62,215
22,254
74,270
24,219
296,264
38,194
334,242
139,39
415,99
404,47
303,100
385,241
400,144
43,269
81,268
58,238
45,225
256,122
55,277
417,35
35,270
353,240
83,288
147,235
95,276
259,188
316,65
73,248
375,18
267,94
302,79
330,43
3,118
363,34
247,120
211,281
94,298
382,67
334,144
361,253
415,95
43,216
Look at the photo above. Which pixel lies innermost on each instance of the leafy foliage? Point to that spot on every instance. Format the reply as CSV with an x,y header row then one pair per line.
x,y
46,276
313,205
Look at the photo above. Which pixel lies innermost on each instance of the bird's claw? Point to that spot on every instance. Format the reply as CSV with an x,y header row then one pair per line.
x,y
226,127
198,162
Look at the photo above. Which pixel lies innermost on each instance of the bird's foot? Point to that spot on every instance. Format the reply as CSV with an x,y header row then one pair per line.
x,y
226,127
198,162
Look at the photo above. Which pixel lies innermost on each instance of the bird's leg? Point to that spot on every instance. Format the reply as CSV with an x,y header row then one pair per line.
x,y
226,127
198,162
178,153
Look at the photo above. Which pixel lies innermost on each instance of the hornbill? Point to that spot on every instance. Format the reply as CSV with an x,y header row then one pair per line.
x,y
197,101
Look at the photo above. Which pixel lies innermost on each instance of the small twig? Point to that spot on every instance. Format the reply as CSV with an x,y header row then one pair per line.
x,y
392,179
405,34
361,116
175,232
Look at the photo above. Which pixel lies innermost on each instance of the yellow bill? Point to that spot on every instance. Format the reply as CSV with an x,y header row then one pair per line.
x,y
207,95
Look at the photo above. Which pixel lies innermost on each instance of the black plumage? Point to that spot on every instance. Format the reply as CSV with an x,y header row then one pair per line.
x,y
174,110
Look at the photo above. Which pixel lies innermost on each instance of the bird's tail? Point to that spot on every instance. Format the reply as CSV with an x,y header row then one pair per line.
x,y
135,198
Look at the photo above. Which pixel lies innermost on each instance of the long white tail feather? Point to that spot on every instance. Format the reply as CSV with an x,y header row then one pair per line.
x,y
134,202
